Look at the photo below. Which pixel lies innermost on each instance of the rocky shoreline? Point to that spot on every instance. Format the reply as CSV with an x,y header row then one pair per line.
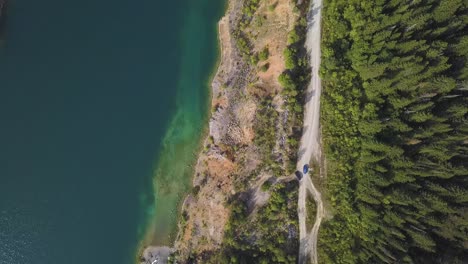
x,y
204,212
230,162
230,153
230,71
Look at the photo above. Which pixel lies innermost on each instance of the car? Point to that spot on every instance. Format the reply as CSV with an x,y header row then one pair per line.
x,y
305,169
298,175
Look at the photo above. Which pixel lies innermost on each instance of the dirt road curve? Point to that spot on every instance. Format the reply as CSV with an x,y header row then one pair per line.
x,y
310,141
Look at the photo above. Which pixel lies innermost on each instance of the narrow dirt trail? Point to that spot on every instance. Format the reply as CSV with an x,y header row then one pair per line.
x,y
310,141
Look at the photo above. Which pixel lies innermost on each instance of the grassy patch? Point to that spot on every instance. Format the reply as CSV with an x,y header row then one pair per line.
x,y
311,212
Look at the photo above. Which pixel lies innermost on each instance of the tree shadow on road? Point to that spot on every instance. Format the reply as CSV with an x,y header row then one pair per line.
x,y
309,96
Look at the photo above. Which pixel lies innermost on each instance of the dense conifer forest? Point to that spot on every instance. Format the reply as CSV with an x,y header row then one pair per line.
x,y
395,130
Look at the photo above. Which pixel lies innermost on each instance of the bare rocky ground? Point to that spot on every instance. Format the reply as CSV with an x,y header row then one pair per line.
x,y
156,255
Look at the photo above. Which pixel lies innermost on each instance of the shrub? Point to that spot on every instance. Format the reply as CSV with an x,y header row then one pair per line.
x,y
254,59
263,55
272,7
266,186
293,37
286,81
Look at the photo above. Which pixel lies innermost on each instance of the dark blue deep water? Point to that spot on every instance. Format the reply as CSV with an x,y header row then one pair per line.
x,y
87,91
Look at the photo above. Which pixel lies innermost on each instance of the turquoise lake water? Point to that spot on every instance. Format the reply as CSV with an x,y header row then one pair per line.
x,y
102,104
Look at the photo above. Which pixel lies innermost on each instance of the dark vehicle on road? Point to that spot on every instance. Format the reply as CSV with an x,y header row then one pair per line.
x,y
298,175
305,169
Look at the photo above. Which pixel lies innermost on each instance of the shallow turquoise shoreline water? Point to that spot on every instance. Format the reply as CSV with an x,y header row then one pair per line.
x,y
90,94
174,169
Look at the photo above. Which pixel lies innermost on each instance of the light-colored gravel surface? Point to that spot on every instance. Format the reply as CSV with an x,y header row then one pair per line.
x,y
310,141
156,255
